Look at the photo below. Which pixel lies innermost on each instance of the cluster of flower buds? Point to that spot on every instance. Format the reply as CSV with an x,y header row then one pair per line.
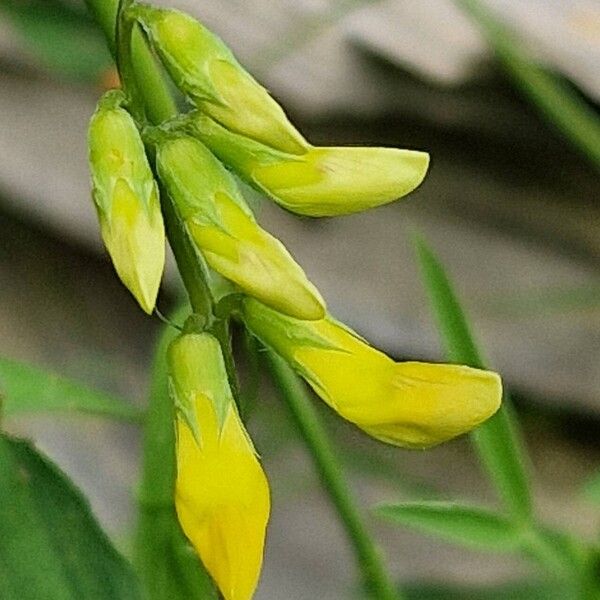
x,y
222,495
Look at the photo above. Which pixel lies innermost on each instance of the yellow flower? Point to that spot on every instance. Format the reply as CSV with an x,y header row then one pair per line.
x,y
224,230
206,70
410,404
126,199
321,181
221,493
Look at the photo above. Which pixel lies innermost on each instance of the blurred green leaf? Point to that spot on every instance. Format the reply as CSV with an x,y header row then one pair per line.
x,y
534,303
497,441
51,545
554,98
166,563
62,38
591,489
511,591
469,526
28,389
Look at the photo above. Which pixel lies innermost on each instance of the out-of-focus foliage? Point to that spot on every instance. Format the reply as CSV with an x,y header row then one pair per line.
x,y
25,388
555,99
61,36
51,545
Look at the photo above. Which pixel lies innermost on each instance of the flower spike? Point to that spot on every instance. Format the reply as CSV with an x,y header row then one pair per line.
x,y
221,492
410,404
224,230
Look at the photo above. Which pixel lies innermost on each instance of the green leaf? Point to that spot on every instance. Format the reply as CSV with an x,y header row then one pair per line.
x,y
498,440
560,104
591,489
167,565
469,526
510,591
63,39
28,389
51,545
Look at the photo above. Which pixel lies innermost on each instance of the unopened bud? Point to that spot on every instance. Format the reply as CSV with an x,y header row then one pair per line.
x,y
221,492
204,68
126,199
224,230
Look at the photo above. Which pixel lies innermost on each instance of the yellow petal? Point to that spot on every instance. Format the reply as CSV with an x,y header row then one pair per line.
x,y
222,500
259,263
320,181
135,239
337,181
410,404
221,494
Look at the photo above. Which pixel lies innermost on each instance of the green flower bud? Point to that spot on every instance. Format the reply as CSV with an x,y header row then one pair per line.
x,y
224,230
206,70
221,492
321,181
126,199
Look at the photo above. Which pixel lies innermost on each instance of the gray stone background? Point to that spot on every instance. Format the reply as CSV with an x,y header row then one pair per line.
x,y
509,206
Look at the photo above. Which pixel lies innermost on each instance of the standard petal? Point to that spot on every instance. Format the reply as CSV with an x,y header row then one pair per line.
x,y
338,181
222,500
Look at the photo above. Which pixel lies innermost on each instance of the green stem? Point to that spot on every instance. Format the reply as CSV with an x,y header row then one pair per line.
x,y
189,264
330,472
124,56
221,331
150,82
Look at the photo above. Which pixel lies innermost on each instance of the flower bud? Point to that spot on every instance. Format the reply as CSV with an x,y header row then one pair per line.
x,y
221,492
322,181
410,404
224,230
126,199
206,70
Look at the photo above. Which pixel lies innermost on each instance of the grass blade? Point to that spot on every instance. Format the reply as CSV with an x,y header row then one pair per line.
x,y
469,526
28,389
497,441
552,96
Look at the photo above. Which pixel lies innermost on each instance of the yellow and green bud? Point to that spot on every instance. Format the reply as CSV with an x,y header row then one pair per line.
x,y
410,404
221,493
126,199
321,181
204,68
226,233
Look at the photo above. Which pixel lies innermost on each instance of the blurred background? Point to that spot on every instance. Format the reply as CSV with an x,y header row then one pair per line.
x,y
510,205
